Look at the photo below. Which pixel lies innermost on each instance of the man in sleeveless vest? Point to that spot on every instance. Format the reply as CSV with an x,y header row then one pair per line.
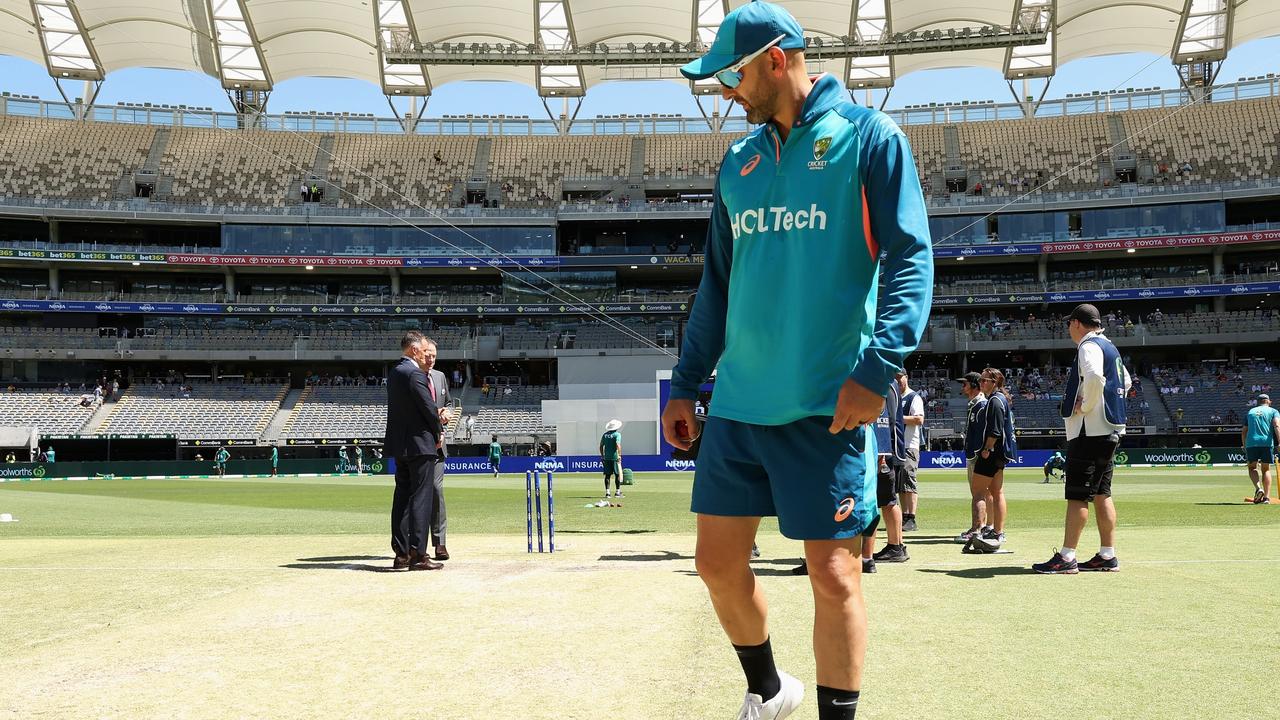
x,y
1093,407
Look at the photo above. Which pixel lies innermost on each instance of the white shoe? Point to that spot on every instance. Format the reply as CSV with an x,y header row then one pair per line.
x,y
782,704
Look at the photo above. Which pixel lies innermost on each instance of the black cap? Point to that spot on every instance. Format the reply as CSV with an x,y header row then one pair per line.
x,y
1086,314
970,377
899,372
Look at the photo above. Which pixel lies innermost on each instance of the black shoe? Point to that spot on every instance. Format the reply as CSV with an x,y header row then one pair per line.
x,y
892,554
801,569
755,551
1258,497
909,525
991,536
1098,564
868,566
1057,565
1265,501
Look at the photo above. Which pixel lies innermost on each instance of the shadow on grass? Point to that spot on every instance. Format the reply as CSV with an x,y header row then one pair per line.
x,y
661,556
604,532
980,573
1227,504
341,558
364,567
760,572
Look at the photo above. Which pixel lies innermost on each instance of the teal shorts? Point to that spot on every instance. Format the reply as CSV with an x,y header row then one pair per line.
x,y
820,486
1259,454
610,465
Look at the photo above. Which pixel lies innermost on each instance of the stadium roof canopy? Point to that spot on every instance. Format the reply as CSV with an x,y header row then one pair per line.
x,y
253,44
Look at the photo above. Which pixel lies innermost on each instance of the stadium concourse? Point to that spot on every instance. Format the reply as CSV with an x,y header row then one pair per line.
x,y
178,280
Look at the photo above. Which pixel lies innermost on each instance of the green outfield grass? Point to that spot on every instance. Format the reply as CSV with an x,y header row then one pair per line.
x,y
270,598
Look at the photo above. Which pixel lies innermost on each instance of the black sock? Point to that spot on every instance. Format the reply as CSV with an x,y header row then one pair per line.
x,y
757,665
908,516
836,704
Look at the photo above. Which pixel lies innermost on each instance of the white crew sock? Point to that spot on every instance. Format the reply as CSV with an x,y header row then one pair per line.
x,y
1068,554
1106,553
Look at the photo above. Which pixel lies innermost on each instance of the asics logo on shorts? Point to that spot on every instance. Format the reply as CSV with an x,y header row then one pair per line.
x,y
844,509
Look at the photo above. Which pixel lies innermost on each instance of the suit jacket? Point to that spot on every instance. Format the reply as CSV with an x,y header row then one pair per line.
x,y
413,421
443,399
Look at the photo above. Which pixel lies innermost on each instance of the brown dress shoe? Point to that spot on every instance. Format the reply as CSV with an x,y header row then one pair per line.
x,y
442,552
425,563
401,562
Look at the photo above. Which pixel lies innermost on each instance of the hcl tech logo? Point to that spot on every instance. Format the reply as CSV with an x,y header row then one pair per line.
x,y
776,219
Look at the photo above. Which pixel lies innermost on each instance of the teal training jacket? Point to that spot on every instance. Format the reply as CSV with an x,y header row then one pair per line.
x,y
787,307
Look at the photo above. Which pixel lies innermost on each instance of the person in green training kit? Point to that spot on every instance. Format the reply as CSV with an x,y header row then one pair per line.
x,y
495,455
220,459
611,456
818,245
359,460
275,460
344,462
1260,437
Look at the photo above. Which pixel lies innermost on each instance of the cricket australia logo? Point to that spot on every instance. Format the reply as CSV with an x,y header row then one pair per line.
x,y
820,148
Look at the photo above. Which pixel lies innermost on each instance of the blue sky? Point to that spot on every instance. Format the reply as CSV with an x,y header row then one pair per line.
x,y
337,95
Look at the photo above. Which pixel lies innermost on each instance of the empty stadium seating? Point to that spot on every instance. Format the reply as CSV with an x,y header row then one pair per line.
x,y
400,171
60,339
507,422
50,412
1223,142
326,411
213,410
69,160
1237,321
519,395
535,167
242,168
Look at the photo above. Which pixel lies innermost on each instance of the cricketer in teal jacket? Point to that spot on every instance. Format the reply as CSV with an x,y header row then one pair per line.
x,y
789,289
819,268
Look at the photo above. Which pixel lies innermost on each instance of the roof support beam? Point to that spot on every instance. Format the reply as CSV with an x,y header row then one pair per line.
x,y
409,121
870,22
1204,30
553,29
1200,45
707,16
1033,61
1025,101
81,106
564,121
250,105
240,62
68,50
394,23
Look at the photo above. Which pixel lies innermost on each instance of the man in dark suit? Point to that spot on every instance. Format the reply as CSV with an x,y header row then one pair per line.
x,y
413,439
438,387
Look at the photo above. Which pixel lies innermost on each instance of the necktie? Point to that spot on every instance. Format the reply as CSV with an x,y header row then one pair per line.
x,y
431,387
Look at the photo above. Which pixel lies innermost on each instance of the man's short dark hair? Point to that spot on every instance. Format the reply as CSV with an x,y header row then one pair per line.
x,y
428,341
410,339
